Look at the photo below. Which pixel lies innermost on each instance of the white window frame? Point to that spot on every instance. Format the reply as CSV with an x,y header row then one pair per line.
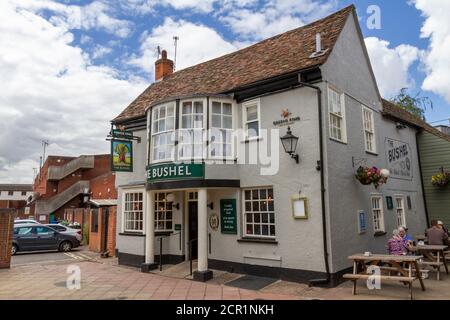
x,y
181,129
232,130
367,130
123,197
381,217
245,106
153,134
397,208
342,117
244,214
165,210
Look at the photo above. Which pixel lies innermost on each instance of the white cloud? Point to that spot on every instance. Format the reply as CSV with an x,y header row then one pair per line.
x,y
50,90
391,65
100,51
95,15
192,48
259,20
149,6
437,57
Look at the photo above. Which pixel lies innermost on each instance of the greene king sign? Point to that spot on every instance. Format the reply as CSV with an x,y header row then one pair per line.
x,y
399,159
175,171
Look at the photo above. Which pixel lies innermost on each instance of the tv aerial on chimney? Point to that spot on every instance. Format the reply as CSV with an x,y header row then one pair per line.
x,y
158,51
175,40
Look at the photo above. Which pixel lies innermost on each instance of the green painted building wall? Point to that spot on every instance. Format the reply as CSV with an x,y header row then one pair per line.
x,y
434,154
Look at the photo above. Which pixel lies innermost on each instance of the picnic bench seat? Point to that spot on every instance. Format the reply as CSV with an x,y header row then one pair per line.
x,y
406,268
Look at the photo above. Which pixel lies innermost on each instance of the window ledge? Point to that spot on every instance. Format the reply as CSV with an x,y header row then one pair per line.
x,y
163,233
132,234
379,233
258,240
339,141
372,153
257,139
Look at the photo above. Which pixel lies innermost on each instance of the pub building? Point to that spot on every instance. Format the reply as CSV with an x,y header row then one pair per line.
x,y
297,218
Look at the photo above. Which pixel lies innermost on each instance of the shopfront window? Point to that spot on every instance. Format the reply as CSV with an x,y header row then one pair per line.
x,y
259,212
400,211
163,212
133,211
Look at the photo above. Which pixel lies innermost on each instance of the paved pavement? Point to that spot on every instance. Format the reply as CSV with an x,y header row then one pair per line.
x,y
48,257
44,276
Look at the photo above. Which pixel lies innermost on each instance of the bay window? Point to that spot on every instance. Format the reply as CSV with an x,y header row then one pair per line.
x,y
192,125
163,132
221,129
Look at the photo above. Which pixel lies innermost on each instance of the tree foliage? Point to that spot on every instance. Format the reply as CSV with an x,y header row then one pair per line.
x,y
417,105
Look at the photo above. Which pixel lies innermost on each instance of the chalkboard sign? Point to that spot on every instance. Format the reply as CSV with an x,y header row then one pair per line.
x,y
228,217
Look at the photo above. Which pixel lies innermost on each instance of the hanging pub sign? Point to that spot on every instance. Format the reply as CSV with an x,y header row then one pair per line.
x,y
286,119
120,134
228,220
121,155
175,171
399,159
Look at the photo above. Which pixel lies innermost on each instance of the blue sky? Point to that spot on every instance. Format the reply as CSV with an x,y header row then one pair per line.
x,y
69,67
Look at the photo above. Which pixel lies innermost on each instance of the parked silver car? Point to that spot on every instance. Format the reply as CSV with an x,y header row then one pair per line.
x,y
66,230
25,221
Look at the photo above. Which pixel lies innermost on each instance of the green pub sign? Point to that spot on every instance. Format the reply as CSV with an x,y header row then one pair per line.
x,y
228,218
175,171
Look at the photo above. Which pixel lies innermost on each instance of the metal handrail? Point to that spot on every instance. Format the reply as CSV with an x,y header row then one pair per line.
x,y
190,254
161,237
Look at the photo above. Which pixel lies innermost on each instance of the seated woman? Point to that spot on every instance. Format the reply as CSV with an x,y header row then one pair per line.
x,y
397,245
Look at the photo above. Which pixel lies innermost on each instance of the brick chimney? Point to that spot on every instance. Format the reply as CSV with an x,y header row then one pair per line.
x,y
163,66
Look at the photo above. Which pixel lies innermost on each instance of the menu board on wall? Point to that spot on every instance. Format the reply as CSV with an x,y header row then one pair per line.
x,y
399,159
228,216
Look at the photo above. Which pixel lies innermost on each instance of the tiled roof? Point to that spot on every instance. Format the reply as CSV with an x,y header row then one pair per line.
x,y
16,187
282,54
395,111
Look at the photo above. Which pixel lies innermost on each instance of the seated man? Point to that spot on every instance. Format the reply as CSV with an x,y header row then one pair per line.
x,y
436,235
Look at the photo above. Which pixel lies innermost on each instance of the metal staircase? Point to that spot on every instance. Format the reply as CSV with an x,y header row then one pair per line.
x,y
56,202
59,172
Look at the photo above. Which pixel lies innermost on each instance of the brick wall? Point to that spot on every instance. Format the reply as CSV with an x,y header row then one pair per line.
x,y
96,239
104,186
6,235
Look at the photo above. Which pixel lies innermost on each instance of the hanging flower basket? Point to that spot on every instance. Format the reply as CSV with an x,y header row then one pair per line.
x,y
367,176
441,180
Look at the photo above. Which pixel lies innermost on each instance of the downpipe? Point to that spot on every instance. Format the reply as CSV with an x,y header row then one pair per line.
x,y
316,282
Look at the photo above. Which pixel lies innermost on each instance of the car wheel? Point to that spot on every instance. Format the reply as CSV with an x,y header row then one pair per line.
x,y
14,249
65,246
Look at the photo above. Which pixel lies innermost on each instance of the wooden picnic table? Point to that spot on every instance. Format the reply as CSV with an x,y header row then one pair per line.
x,y
406,268
433,255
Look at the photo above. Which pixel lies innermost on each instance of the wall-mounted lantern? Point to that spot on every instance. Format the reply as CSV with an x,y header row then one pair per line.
x,y
289,142
171,198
